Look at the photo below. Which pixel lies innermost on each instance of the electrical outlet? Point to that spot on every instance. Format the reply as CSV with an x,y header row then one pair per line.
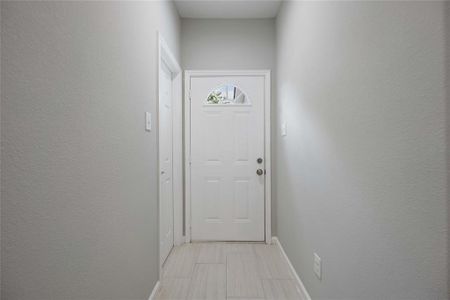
x,y
317,266
283,129
148,121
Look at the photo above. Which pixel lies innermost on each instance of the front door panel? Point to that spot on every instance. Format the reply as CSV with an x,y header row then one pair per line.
x,y
227,138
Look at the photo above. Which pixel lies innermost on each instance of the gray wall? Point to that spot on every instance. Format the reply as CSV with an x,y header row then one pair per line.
x,y
447,83
0,153
361,175
230,45
78,184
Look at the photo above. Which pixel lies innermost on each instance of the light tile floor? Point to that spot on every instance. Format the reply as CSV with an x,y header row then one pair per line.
x,y
227,271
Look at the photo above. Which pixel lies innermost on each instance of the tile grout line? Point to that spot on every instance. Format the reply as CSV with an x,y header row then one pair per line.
x,y
260,279
226,275
191,278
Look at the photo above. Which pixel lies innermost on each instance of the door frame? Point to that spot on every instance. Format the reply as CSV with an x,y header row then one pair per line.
x,y
267,133
165,56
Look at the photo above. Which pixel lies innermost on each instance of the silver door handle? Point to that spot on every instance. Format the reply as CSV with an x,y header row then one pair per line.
x,y
259,172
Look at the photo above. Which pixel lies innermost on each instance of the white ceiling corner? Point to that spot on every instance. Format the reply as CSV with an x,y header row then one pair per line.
x,y
228,9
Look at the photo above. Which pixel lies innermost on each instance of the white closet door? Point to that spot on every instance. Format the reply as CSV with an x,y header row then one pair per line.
x,y
165,163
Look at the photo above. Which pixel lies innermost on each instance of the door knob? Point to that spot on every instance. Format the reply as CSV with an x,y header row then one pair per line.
x,y
259,172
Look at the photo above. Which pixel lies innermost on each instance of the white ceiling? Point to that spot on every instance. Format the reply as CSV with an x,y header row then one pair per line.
x,y
228,9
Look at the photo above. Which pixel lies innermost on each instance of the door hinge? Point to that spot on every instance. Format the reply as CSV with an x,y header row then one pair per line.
x,y
190,97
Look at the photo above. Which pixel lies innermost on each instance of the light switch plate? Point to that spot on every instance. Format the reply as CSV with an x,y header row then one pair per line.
x,y
148,121
317,266
283,129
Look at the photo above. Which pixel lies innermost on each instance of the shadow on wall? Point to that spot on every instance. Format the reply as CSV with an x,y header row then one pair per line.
x,y
447,92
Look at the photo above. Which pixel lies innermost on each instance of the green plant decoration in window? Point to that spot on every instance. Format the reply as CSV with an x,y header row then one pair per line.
x,y
215,97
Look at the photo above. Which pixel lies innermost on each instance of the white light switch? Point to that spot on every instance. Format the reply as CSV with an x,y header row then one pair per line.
x,y
317,266
148,121
283,129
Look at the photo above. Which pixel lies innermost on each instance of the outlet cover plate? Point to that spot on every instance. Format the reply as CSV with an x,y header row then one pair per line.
x,y
283,129
317,266
148,121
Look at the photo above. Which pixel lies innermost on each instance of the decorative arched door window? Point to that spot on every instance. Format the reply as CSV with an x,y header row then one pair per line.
x,y
227,94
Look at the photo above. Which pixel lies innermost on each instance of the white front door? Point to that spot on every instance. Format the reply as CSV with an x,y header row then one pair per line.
x,y
165,162
227,158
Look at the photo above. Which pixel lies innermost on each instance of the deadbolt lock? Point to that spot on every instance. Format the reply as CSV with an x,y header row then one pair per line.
x,y
259,160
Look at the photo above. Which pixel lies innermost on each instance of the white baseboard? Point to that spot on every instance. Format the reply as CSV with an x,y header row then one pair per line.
x,y
154,291
275,240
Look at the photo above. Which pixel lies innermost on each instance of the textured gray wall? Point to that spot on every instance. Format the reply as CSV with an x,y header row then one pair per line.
x,y
78,184
230,45
0,155
447,84
361,176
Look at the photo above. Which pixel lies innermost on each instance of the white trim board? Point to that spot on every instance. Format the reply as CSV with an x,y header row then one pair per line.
x,y
299,281
267,134
154,291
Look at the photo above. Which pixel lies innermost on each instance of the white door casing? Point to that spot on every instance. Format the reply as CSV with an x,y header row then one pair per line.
x,y
165,162
226,199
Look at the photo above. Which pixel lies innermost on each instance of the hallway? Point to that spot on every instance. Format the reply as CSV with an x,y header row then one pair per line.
x,y
306,144
227,271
